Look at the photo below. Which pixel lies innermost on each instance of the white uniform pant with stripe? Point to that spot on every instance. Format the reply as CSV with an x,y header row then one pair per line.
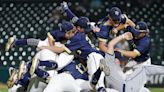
x,y
93,63
61,83
62,59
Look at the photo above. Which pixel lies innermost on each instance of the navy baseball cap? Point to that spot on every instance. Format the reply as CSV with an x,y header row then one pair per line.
x,y
134,31
84,22
66,26
115,14
142,27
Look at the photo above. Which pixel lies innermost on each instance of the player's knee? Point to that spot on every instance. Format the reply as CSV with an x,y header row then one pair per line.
x,y
46,54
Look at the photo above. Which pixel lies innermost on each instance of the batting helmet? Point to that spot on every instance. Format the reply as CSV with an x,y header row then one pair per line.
x,y
66,26
142,27
115,14
84,22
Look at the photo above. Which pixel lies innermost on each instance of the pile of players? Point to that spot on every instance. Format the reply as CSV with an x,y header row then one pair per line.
x,y
68,60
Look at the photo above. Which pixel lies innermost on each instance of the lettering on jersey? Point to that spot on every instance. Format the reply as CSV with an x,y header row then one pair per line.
x,y
81,68
68,42
89,41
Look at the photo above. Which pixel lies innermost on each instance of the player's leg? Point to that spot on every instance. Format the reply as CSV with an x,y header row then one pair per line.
x,y
62,59
115,70
144,89
14,88
42,55
41,86
62,82
153,69
20,42
137,80
84,84
111,90
93,63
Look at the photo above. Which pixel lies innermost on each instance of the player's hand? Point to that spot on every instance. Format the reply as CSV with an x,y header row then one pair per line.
x,y
114,31
96,29
64,5
10,83
127,36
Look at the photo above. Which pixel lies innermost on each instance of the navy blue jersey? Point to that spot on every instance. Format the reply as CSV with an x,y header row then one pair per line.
x,y
76,69
57,35
24,81
79,43
143,46
105,33
123,19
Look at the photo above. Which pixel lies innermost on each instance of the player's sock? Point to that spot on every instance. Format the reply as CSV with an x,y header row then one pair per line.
x,y
101,89
31,42
21,42
49,64
96,76
41,73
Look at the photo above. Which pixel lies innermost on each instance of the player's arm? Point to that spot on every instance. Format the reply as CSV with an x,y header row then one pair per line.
x,y
51,39
127,22
113,42
56,49
130,54
102,45
69,13
138,50
103,38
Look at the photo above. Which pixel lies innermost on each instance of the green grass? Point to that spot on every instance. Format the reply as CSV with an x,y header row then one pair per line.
x,y
157,89
3,89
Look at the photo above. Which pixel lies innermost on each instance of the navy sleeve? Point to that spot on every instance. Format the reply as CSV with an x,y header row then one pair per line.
x,y
104,32
71,15
74,45
143,46
123,19
57,35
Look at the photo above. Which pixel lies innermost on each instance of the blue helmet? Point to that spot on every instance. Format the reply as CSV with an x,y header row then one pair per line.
x,y
115,14
142,27
84,22
66,26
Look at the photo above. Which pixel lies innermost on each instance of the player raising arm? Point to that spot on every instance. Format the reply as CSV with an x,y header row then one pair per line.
x,y
140,51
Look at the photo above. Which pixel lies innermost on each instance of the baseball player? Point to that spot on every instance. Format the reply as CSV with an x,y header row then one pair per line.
x,y
54,36
132,83
83,22
25,82
77,42
72,78
112,23
140,51
12,80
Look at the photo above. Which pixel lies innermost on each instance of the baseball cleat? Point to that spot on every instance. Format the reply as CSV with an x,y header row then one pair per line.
x,y
22,68
12,79
34,65
104,67
9,43
51,40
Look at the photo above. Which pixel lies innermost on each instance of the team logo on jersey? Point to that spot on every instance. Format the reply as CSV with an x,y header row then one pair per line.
x,y
68,42
116,13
